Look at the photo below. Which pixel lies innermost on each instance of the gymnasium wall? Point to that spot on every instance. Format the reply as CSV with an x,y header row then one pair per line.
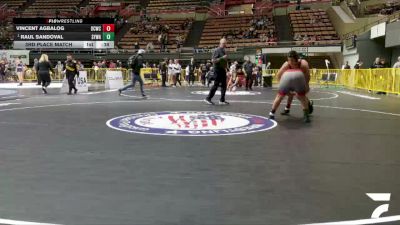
x,y
343,28
370,49
395,55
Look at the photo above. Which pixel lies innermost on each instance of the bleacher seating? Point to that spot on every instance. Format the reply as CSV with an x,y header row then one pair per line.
x,y
218,27
49,7
14,4
126,2
6,33
314,26
165,5
385,8
143,38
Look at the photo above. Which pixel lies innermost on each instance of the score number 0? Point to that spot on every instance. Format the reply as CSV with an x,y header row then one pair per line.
x,y
108,28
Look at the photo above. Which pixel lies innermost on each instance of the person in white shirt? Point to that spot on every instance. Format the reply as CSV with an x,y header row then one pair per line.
x,y
178,72
346,66
232,74
397,64
59,68
232,69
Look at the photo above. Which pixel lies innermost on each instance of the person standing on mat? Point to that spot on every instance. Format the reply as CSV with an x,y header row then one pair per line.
x,y
71,70
163,71
2,70
20,67
170,73
178,72
203,71
219,59
190,71
43,68
136,63
248,72
294,78
35,62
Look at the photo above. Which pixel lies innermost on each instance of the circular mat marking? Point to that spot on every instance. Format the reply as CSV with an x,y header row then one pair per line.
x,y
238,93
191,123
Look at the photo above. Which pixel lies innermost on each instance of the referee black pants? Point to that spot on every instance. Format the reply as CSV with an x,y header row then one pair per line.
x,y
220,80
71,82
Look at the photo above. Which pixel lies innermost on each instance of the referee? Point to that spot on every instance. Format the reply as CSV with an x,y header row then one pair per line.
x,y
71,70
219,59
163,68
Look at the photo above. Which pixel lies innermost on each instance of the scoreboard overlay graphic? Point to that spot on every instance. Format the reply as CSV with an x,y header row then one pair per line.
x,y
44,33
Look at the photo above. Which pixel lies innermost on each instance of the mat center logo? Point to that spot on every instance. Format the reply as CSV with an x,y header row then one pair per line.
x,y
191,123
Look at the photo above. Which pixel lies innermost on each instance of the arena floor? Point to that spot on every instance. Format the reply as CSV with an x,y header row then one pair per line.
x,y
62,163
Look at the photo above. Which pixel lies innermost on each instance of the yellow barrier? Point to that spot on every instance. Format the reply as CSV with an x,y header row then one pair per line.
x,y
94,75
377,80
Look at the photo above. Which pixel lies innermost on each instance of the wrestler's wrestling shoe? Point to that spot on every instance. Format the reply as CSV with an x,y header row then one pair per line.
x,y
311,106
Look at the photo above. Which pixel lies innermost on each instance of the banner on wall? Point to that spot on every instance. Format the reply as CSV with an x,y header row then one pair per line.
x,y
11,55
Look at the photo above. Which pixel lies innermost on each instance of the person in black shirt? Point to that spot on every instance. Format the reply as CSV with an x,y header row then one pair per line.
x,y
163,67
210,76
203,69
384,64
35,62
2,70
358,64
346,66
191,68
71,70
136,63
377,64
248,71
219,59
42,68
208,65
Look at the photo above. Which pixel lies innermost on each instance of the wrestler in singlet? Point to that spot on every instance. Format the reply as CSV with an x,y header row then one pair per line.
x,y
293,78
20,71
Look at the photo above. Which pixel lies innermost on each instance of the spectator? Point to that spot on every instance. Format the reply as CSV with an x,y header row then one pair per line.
x,y
35,63
119,64
384,64
150,47
80,65
397,64
233,67
297,37
20,69
358,64
136,46
258,72
179,42
112,65
377,64
178,73
2,70
210,76
346,66
162,39
59,68
312,19
260,24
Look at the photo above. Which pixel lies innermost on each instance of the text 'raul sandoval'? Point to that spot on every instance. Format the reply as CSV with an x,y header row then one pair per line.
x,y
41,37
